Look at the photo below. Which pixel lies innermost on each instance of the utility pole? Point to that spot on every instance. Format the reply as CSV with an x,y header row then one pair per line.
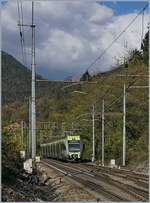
x,y
22,133
149,93
63,129
27,141
40,137
72,126
103,126
124,127
93,125
33,111
26,137
29,130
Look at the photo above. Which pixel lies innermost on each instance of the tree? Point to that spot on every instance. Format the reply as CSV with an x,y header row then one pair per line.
x,y
145,48
86,76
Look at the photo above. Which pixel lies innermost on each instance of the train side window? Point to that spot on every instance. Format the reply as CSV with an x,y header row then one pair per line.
x,y
52,149
63,147
57,149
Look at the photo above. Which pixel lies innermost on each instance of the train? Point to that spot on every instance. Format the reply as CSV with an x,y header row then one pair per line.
x,y
67,149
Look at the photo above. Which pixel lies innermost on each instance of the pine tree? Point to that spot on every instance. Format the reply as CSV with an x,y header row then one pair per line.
x,y
145,48
86,76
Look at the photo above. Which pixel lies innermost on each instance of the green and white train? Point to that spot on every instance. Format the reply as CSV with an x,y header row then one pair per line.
x,y
69,148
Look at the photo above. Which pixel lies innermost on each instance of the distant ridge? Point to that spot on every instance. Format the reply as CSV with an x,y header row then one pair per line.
x,y
16,81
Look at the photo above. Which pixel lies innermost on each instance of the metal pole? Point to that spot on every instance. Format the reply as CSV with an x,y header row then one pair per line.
x,y
63,129
103,126
149,98
93,125
25,140
22,125
33,111
40,142
124,127
72,125
30,141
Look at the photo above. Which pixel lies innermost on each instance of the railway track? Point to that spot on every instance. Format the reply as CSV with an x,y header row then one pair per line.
x,y
97,180
139,190
123,172
97,188
140,193
138,178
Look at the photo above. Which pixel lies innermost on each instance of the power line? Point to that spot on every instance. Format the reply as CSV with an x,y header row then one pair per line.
x,y
23,39
21,30
142,25
110,45
116,100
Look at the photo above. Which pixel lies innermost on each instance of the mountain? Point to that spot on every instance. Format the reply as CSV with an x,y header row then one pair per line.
x,y
16,82
16,91
53,104
69,78
16,79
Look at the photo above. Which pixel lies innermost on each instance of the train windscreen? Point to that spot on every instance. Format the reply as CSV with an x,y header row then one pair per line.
x,y
74,145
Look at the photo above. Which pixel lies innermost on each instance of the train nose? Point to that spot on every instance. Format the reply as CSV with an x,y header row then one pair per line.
x,y
76,156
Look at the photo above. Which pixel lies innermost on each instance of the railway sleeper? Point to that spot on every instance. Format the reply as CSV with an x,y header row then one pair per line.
x,y
97,188
125,187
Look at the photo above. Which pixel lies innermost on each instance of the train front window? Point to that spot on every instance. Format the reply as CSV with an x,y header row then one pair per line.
x,y
74,147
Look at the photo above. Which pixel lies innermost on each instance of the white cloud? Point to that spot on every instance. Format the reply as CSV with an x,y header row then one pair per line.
x,y
70,35
101,15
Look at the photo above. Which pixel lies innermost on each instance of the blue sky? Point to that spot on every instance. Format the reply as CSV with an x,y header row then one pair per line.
x,y
71,34
124,7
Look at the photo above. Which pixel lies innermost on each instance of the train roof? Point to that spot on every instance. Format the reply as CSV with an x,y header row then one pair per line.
x,y
68,137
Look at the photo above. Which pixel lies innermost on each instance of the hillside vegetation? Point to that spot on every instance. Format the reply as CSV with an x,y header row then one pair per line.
x,y
58,105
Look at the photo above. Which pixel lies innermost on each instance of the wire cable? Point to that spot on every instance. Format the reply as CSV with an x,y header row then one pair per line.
x,y
23,38
122,32
142,27
21,30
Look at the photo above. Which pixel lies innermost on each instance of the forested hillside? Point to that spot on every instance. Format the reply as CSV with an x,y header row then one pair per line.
x,y
16,90
16,81
54,104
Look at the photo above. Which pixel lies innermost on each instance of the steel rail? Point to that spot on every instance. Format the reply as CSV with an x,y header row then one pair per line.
x,y
74,170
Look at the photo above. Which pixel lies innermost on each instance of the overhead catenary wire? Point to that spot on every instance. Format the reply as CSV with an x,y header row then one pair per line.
x,y
22,42
23,39
142,26
118,36
127,89
118,98
21,31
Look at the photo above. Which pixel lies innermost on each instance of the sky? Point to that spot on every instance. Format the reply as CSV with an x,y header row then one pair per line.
x,y
70,35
